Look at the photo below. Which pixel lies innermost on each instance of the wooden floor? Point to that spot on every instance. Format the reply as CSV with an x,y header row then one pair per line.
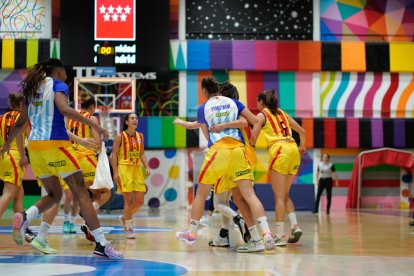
x,y
345,243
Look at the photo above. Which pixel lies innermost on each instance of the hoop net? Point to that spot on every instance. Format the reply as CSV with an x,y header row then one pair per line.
x,y
106,121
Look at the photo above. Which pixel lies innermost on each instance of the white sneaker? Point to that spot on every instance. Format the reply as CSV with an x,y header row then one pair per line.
x,y
280,241
268,241
204,221
251,246
220,242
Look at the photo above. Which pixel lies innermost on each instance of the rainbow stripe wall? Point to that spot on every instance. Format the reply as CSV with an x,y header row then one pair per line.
x,y
314,56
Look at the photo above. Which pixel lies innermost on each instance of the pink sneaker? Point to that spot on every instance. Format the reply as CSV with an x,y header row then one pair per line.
x,y
129,233
186,237
268,241
107,251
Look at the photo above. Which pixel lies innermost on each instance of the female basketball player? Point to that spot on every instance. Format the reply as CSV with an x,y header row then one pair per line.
x,y
224,146
127,156
277,127
51,153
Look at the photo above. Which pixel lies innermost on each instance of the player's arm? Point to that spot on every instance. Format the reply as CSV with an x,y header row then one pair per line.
x,y
95,135
260,121
143,158
20,147
241,122
302,134
251,118
61,102
16,129
186,124
114,159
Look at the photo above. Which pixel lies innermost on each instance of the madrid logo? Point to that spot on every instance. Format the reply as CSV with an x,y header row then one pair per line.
x,y
114,20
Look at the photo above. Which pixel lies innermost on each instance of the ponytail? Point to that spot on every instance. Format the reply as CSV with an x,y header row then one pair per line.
x,y
270,100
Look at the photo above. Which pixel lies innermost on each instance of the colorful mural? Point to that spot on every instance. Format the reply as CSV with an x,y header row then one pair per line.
x,y
367,20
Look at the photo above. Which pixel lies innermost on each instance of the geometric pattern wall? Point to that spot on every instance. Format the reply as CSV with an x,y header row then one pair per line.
x,y
367,20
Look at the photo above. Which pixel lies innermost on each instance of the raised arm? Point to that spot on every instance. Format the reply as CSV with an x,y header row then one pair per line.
x,y
302,134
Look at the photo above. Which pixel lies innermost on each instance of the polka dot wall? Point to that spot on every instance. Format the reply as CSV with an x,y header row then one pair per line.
x,y
163,183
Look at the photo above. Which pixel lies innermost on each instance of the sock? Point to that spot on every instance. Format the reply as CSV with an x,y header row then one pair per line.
x,y
128,223
292,219
95,205
31,213
264,226
193,226
66,217
280,228
224,233
99,236
72,218
254,233
44,229
225,222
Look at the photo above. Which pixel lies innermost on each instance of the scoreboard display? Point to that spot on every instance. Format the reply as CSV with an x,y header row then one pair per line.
x,y
136,32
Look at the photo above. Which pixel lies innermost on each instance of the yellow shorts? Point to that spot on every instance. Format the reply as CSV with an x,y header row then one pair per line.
x,y
131,179
88,165
230,164
55,157
225,185
10,171
284,158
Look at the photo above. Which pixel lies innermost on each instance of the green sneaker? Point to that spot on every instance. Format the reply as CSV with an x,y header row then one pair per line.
x,y
42,246
66,227
251,246
72,229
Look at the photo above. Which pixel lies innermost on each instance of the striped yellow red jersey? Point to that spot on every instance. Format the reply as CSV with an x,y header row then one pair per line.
x,y
277,126
130,148
82,131
7,120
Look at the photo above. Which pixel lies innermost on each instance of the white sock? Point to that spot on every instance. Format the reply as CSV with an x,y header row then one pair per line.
x,y
254,233
264,226
31,213
66,217
292,219
99,236
225,222
280,228
128,223
72,218
193,226
44,229
95,205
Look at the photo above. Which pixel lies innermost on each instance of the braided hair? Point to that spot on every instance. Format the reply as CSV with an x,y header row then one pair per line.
x,y
37,73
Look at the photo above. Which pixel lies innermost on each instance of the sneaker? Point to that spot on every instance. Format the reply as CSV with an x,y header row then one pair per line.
x,y
129,233
87,232
72,229
252,246
220,242
280,241
204,221
29,236
186,237
244,230
20,225
66,227
107,251
122,220
42,246
295,234
268,241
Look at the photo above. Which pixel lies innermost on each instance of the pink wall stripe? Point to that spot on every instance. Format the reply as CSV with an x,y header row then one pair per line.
x,y
352,134
266,56
369,98
303,95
